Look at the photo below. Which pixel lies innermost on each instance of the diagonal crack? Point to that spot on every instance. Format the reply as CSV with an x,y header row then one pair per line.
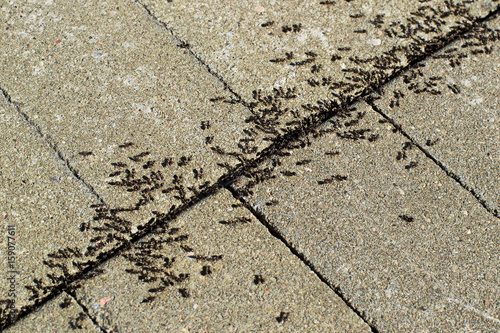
x,y
276,234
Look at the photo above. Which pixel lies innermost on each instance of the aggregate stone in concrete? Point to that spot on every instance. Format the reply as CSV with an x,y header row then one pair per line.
x,y
451,108
317,49
406,244
43,205
105,83
218,269
61,314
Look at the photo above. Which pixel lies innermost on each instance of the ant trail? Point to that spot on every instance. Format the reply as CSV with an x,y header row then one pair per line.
x,y
278,144
276,234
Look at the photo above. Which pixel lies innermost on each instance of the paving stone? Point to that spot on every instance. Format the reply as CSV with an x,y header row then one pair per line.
x,y
319,52
43,205
61,314
451,108
220,270
404,243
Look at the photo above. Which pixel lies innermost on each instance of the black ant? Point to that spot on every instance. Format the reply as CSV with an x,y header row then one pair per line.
x,y
126,145
430,143
206,270
66,303
138,157
205,125
411,165
406,218
258,279
283,317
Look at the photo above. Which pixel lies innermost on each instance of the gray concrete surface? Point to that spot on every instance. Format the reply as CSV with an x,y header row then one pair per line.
x,y
126,113
255,280
43,207
324,41
106,74
408,246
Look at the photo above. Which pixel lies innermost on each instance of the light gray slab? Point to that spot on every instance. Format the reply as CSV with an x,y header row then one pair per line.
x,y
457,118
61,314
223,295
406,244
381,36
42,207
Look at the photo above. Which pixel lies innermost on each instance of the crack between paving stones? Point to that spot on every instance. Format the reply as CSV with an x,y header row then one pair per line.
x,y
49,141
157,21
226,180
276,234
443,167
84,309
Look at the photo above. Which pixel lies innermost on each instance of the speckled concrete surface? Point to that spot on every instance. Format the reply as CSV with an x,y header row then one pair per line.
x,y
314,48
256,280
62,314
404,242
106,74
43,205
459,123
134,109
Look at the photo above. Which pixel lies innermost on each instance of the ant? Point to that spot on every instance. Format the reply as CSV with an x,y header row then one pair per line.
x,y
206,270
267,24
283,317
66,303
406,218
126,145
258,279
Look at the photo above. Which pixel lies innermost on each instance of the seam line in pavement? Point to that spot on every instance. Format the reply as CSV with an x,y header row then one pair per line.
x,y
447,171
85,310
276,234
280,143
49,141
194,55
363,96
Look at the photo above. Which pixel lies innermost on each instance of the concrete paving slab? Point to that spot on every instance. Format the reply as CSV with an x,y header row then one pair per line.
x,y
451,108
404,243
62,314
313,50
214,269
43,205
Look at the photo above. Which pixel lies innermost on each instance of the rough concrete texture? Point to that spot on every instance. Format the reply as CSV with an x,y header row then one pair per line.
x,y
43,205
408,246
320,50
451,109
214,269
127,113
104,82
61,314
